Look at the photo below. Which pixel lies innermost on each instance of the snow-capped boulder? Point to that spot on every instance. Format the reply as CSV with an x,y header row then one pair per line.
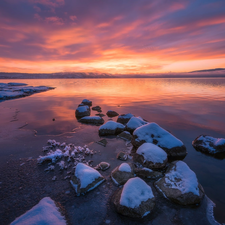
x,y
112,113
135,199
82,111
121,174
87,102
122,156
97,108
97,120
125,135
85,179
147,173
209,144
151,156
124,118
102,166
45,212
111,128
134,123
180,184
153,133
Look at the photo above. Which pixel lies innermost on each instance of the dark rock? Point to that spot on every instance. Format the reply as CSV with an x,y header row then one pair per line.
x,y
87,102
96,108
125,135
82,111
122,156
112,113
96,120
111,128
147,173
103,166
124,118
102,142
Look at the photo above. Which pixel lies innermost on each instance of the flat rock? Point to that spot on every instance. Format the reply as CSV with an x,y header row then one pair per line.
x,y
124,118
151,156
96,120
82,111
180,184
153,133
121,174
147,173
125,135
122,156
85,179
134,123
135,199
208,144
102,142
112,113
111,128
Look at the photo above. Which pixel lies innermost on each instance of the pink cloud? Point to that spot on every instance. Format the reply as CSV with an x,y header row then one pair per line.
x,y
73,18
55,20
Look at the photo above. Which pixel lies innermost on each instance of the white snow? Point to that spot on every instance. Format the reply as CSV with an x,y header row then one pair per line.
x,y
125,116
152,131
51,156
147,169
83,108
135,191
61,165
44,213
16,84
91,118
111,125
152,153
209,142
86,174
135,122
124,167
182,178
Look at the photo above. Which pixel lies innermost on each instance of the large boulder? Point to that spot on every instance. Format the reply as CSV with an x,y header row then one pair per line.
x,y
85,179
153,133
147,173
96,120
180,184
121,174
87,102
111,128
82,111
151,156
135,199
208,144
134,123
124,118
112,113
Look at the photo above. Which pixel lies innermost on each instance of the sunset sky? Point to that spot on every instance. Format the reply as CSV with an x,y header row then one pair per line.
x,y
111,36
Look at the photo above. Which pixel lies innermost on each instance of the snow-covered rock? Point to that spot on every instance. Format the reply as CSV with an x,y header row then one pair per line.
x,y
134,123
209,144
97,120
124,118
135,199
85,179
51,156
82,111
45,212
121,174
125,135
180,184
112,113
151,156
122,156
111,128
87,102
147,173
153,133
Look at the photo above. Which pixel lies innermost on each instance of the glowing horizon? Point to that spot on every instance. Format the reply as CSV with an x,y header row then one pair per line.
x,y
118,37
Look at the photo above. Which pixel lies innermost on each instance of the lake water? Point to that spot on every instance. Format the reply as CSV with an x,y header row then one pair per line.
x,y
186,107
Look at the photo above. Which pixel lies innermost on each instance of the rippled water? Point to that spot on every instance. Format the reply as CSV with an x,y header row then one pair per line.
x,y
186,107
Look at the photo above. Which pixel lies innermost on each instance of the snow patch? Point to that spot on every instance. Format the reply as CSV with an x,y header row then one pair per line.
x,y
124,167
111,125
51,156
135,122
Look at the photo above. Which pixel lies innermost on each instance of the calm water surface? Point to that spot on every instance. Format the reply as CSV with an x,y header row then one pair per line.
x,y
186,107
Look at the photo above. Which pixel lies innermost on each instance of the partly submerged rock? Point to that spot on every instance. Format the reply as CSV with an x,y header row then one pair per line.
x,y
208,144
85,179
100,114
102,166
125,135
124,118
111,128
153,133
112,113
134,123
147,173
180,184
45,212
135,199
121,174
96,108
82,111
102,142
150,156
97,120
87,102
122,156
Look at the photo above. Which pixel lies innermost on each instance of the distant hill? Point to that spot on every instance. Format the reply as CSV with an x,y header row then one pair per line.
x,y
209,70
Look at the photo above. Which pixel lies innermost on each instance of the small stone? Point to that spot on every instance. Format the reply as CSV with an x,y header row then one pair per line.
x,y
54,178
112,113
125,135
121,156
102,142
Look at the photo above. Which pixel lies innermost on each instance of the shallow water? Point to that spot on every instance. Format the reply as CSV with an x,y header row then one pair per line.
x,y
186,107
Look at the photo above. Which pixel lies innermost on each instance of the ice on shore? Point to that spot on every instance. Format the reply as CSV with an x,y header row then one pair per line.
x,y
51,156
45,212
